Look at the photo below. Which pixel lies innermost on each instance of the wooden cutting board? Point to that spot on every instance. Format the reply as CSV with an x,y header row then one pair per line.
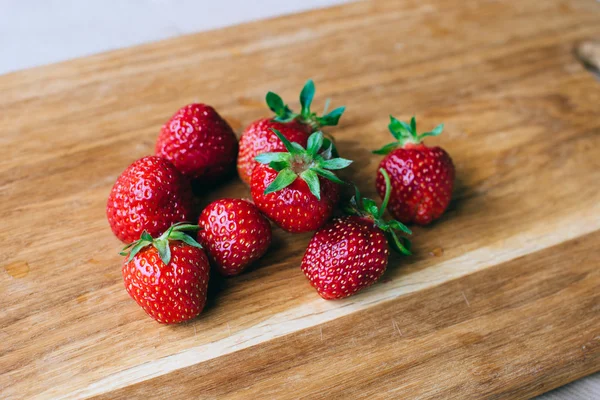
x,y
500,300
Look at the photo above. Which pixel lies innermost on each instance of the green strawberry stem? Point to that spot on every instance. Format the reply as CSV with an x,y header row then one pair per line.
x,y
406,133
307,164
284,114
388,192
175,232
367,208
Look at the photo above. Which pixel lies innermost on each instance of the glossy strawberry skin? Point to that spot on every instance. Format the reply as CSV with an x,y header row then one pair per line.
x,y
234,233
294,208
151,194
258,138
170,293
422,181
345,256
199,143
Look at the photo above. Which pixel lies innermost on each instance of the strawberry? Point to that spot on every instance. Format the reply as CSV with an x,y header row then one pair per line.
x,y
422,177
234,233
199,143
150,195
297,205
350,253
167,276
259,138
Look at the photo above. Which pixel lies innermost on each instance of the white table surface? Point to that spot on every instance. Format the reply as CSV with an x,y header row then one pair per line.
x,y
38,32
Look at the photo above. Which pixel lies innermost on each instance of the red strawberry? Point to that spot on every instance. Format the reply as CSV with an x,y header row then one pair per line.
x,y
234,233
167,276
199,143
297,205
150,195
351,253
259,138
422,177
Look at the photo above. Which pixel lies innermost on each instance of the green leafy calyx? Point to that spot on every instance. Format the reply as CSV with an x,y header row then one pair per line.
x,y
307,164
406,133
365,207
284,114
175,232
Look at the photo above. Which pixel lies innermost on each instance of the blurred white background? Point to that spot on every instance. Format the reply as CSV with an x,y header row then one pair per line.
x,y
37,32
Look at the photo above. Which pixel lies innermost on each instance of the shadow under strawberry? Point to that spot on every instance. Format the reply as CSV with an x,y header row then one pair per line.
x,y
216,284
361,157
460,193
284,246
202,187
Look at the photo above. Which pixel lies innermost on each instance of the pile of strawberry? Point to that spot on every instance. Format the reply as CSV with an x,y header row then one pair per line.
x,y
290,167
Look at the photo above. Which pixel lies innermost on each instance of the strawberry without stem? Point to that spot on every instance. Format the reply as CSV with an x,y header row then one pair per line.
x,y
167,276
422,177
297,190
150,195
234,233
351,253
259,138
199,143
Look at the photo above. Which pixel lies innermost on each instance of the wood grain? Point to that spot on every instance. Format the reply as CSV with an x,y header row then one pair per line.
x,y
514,330
589,53
522,125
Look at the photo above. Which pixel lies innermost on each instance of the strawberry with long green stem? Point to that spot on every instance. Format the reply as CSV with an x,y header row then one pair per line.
x,y
351,253
422,177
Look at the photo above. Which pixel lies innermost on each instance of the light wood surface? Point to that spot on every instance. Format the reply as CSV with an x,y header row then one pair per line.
x,y
500,299
491,333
